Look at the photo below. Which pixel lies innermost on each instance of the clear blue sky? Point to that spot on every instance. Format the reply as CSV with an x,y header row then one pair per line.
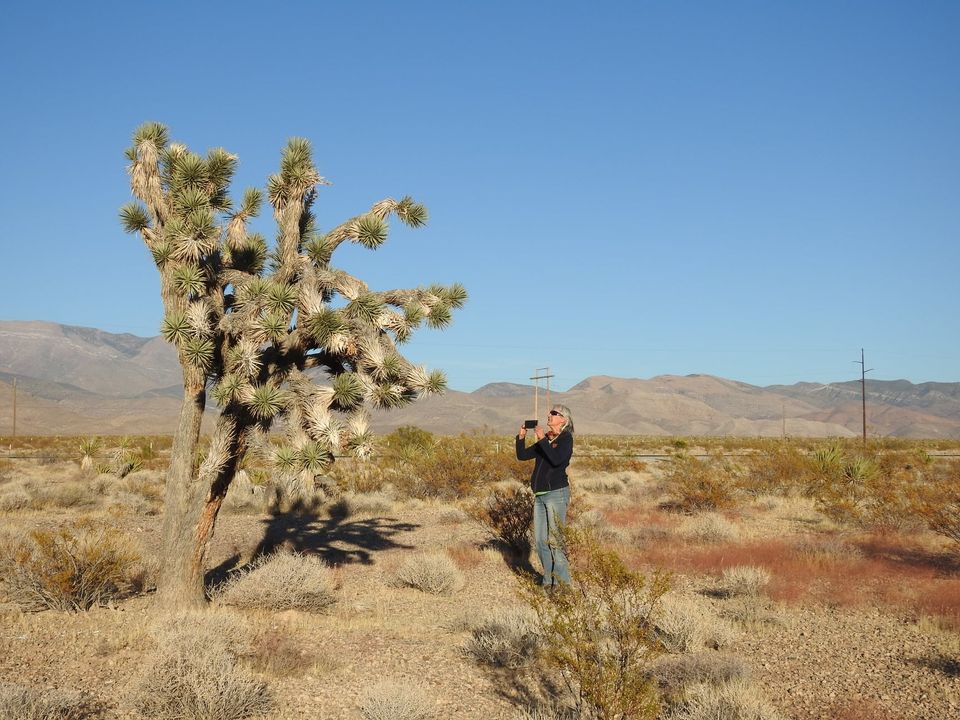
x,y
754,190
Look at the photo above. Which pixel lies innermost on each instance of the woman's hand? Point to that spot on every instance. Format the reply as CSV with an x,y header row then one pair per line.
x,y
523,433
540,433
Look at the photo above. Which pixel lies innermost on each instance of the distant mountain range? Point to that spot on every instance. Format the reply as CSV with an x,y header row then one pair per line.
x,y
78,381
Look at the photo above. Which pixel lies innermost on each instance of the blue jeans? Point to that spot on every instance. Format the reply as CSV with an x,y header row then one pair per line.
x,y
549,512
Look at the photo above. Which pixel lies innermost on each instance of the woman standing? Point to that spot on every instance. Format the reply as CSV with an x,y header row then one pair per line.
x,y
551,489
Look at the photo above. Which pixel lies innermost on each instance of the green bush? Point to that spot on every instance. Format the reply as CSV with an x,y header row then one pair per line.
x,y
600,634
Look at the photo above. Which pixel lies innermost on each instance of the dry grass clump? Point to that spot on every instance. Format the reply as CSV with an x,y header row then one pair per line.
x,y
195,673
20,702
14,497
603,484
827,549
506,637
675,672
450,515
244,495
734,700
710,528
685,623
744,580
280,653
433,573
547,712
596,521
281,581
395,700
70,569
350,504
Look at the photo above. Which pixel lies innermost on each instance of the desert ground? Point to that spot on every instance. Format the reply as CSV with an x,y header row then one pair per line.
x,y
795,612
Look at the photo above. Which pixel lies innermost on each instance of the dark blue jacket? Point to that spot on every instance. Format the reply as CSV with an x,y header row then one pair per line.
x,y
551,458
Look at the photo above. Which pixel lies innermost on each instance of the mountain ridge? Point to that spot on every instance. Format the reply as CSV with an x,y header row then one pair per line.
x,y
73,380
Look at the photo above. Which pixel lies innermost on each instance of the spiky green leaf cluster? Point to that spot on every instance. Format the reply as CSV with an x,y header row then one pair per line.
x,y
411,213
364,307
281,298
371,231
314,457
320,250
134,217
348,391
189,280
266,401
198,351
175,328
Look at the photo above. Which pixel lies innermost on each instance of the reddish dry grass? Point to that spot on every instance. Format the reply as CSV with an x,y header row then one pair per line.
x,y
860,710
637,516
890,572
465,556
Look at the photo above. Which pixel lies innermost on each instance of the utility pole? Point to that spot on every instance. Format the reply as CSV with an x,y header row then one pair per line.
x,y
863,392
14,409
538,375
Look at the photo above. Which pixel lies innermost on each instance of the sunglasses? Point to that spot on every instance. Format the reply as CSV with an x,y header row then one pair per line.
x,y
555,412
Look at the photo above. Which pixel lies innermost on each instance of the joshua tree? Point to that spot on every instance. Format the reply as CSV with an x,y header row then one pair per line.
x,y
285,341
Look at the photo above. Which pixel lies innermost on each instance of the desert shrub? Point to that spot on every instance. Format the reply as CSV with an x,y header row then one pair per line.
x,y
507,514
775,470
247,493
278,653
433,573
734,700
74,494
826,549
450,515
596,522
506,637
868,489
600,634
368,503
281,581
937,502
710,528
70,569
686,624
21,702
195,672
675,672
744,580
596,462
394,700
549,711
14,498
453,467
696,485
602,484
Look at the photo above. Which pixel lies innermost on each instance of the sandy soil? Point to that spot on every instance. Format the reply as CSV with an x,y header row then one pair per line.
x,y
809,660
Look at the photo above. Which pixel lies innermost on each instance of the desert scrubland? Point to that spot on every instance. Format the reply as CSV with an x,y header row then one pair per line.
x,y
714,578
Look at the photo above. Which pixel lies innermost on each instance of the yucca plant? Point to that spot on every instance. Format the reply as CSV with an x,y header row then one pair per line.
x,y
260,326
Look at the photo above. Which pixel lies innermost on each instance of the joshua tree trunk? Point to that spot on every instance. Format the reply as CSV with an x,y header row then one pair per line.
x,y
181,581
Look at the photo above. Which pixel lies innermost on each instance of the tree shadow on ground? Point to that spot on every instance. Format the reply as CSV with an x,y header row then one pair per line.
x,y
891,550
526,687
941,663
335,538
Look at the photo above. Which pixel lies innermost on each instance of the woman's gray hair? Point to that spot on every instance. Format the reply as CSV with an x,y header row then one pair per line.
x,y
567,417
